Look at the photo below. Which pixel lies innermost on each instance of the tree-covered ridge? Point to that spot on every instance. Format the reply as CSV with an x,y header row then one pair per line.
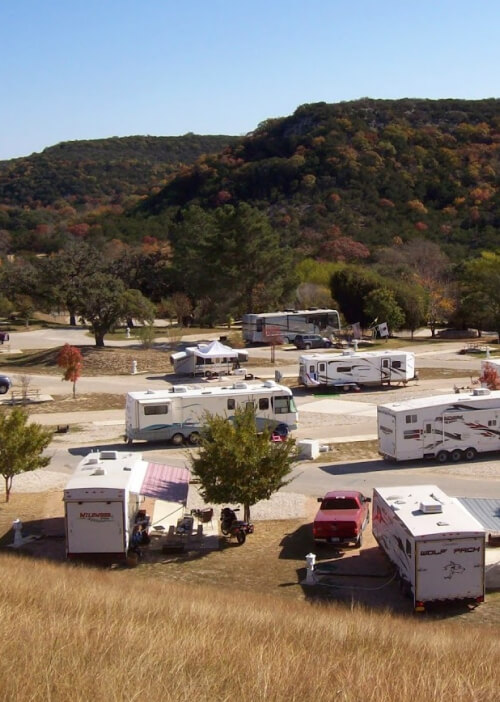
x,y
100,168
368,170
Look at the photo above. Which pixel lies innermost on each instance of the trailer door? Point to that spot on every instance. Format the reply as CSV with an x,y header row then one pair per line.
x,y
387,433
449,569
95,527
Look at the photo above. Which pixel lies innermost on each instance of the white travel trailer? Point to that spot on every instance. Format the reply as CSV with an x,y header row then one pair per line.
x,y
353,368
208,359
442,427
178,414
101,501
436,545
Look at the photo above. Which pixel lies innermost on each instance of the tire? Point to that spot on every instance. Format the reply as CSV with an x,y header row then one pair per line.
x,y
194,438
456,455
177,439
208,374
241,537
3,389
470,454
307,347
442,457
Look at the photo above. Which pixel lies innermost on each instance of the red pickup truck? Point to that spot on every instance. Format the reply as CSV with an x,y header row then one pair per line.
x,y
342,517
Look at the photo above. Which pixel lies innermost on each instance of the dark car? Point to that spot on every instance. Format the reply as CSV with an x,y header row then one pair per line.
x,y
5,384
312,341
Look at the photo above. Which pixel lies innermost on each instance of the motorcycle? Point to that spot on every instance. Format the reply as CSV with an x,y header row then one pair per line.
x,y
230,525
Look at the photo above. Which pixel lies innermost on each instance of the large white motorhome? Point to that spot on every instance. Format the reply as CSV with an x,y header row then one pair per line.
x,y
178,414
101,501
284,326
436,545
354,368
442,427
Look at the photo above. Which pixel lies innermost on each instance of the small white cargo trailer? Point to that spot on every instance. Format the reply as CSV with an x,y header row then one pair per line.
x,y
179,414
436,545
443,427
350,369
101,502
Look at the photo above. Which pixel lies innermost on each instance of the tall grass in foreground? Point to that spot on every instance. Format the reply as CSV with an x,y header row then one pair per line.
x,y
80,634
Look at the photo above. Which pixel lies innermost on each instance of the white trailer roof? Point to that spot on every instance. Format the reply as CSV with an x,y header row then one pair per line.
x,y
346,355
107,470
489,399
415,505
195,391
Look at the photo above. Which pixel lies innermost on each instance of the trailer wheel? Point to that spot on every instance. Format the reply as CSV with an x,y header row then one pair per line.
x,y
470,454
3,388
456,455
194,438
208,374
177,439
442,457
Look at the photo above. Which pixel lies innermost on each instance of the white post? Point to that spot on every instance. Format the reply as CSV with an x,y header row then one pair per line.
x,y
487,352
17,525
355,345
127,332
310,577
134,367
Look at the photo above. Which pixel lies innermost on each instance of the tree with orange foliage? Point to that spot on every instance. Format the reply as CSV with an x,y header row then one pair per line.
x,y
489,378
70,358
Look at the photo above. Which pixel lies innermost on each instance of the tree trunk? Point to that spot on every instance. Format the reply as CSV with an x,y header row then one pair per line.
x,y
72,319
246,513
99,339
8,485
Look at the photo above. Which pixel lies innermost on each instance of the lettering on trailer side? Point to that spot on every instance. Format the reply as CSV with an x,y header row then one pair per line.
x,y
468,549
97,516
433,553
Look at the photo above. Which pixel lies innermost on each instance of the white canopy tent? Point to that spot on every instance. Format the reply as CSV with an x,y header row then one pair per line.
x,y
208,359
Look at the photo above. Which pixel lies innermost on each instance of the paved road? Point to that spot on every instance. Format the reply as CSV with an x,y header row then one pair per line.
x,y
350,417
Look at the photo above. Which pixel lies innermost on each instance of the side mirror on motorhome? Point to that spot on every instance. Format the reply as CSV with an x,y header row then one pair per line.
x,y
320,499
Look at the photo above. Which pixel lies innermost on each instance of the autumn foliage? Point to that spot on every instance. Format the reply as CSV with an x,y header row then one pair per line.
x,y
70,358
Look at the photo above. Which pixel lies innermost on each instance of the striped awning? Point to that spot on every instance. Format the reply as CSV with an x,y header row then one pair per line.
x,y
167,483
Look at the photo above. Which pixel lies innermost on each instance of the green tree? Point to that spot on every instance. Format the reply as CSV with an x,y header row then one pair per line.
x,y
235,464
381,304
21,446
481,278
136,306
100,301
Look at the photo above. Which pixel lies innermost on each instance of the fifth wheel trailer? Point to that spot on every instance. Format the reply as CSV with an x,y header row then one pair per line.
x,y
353,368
436,545
179,414
101,502
443,427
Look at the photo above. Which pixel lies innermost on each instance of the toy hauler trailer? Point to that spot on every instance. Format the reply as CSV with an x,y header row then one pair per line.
x,y
178,415
436,545
443,427
350,369
101,502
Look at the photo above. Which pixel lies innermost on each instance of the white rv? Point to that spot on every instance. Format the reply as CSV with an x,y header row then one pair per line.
x,y
443,427
178,414
354,368
101,502
436,545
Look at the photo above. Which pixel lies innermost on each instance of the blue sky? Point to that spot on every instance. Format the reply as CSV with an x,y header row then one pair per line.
x,y
88,69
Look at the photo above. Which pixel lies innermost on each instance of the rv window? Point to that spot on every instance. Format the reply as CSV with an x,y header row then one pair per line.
x,y
492,422
411,434
344,369
155,409
282,405
311,369
385,363
231,403
411,418
264,403
396,364
408,548
321,367
428,428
